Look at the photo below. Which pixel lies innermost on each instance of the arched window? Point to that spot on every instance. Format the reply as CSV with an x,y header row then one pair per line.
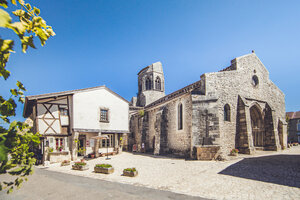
x,y
180,117
226,112
157,83
148,84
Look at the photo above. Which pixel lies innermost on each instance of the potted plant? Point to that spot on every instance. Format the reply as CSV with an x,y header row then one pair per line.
x,y
131,172
65,163
50,149
60,148
91,155
104,168
234,152
81,165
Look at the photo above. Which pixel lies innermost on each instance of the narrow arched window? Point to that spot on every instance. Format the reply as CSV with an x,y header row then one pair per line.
x,y
180,117
157,83
226,112
148,84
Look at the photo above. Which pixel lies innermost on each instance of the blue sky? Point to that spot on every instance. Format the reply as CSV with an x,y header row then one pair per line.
x,y
108,42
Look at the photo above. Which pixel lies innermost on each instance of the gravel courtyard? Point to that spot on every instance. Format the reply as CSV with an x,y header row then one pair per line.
x,y
267,175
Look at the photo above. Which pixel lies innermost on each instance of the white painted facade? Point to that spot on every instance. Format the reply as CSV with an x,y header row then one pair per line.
x,y
86,110
69,122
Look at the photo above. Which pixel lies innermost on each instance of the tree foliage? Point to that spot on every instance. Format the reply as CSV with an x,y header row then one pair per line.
x,y
16,158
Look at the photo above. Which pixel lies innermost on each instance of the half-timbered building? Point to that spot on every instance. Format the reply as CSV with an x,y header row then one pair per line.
x,y
71,122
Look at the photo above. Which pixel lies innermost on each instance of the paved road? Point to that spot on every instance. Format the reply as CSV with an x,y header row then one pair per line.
x,y
46,185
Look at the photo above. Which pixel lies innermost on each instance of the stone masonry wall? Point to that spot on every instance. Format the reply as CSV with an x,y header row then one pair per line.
x,y
159,129
205,122
292,130
227,85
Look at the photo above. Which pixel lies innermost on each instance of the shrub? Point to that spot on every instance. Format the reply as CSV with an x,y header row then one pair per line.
x,y
103,165
130,169
234,151
60,148
50,149
141,113
80,163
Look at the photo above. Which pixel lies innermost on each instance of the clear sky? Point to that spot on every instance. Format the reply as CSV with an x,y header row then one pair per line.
x,y
108,42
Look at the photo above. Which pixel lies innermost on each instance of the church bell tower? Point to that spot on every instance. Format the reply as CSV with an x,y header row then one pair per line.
x,y
151,84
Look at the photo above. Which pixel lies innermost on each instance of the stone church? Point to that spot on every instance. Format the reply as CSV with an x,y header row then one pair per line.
x,y
237,107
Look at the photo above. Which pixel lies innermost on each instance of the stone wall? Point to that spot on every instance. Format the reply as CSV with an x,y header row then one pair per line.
x,y
228,85
292,130
158,128
240,86
205,121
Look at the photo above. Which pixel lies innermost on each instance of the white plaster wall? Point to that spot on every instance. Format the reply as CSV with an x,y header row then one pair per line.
x,y
64,120
87,106
42,113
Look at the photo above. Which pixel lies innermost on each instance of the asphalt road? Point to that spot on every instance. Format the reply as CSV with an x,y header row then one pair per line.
x,y
46,185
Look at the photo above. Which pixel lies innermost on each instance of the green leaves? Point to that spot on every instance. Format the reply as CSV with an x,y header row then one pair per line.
x,y
36,11
3,149
13,2
5,19
30,23
27,41
16,158
3,3
16,142
6,46
20,86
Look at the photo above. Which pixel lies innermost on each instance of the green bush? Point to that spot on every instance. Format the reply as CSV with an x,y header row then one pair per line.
x,y
80,163
130,169
103,165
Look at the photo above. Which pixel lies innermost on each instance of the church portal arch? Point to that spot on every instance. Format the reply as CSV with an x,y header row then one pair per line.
x,y
257,126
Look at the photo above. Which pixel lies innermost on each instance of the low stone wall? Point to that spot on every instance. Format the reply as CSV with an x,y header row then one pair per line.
x,y
55,157
207,152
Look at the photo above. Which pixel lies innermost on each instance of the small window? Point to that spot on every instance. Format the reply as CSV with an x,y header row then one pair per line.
x,y
63,111
255,80
157,84
108,142
298,126
180,117
59,144
226,112
103,115
148,84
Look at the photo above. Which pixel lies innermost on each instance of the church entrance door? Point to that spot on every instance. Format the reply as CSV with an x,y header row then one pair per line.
x,y
257,126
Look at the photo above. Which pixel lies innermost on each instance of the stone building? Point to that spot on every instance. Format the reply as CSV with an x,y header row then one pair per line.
x,y
237,107
293,127
76,121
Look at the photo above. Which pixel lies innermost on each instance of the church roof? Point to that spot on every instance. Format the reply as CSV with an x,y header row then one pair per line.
x,y
64,93
175,94
293,115
30,99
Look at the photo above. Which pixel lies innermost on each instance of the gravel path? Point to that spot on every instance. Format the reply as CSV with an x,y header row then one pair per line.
x,y
267,175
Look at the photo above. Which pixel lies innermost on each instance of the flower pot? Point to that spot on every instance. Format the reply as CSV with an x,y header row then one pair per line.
x,y
104,170
233,154
80,167
65,164
130,173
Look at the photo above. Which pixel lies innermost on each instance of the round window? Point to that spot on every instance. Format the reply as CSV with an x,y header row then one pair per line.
x,y
255,80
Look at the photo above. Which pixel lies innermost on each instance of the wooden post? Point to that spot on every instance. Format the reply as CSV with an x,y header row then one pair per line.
x,y
74,145
96,148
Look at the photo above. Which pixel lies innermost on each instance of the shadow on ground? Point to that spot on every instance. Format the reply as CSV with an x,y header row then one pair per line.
x,y
278,169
